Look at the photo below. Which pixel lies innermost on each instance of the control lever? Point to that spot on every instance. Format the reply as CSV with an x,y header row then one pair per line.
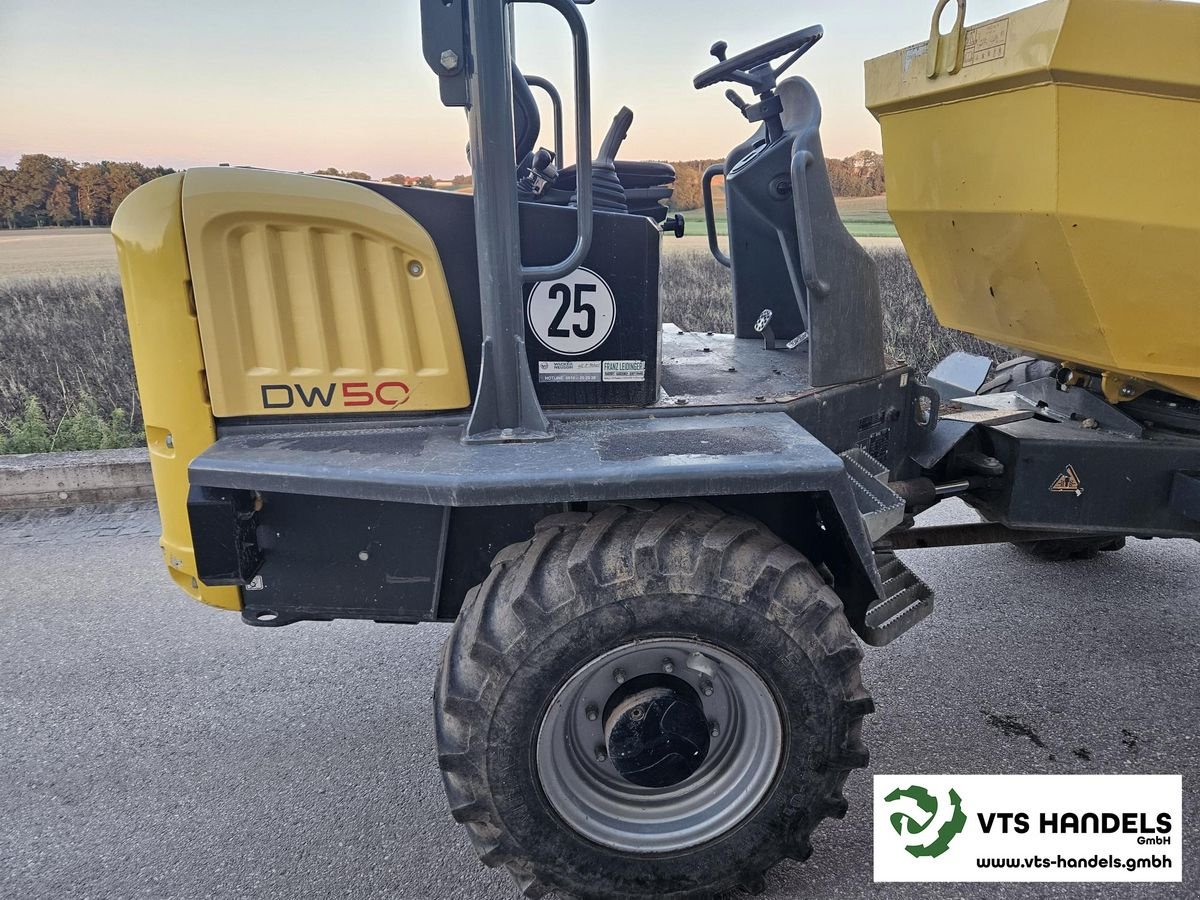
x,y
607,191
541,174
718,50
733,97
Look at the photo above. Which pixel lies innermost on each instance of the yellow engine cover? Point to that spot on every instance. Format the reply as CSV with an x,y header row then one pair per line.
x,y
316,295
165,340
1042,174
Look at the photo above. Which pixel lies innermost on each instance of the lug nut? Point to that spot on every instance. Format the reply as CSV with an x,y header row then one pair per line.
x,y
619,675
668,666
706,688
592,713
601,755
637,714
714,729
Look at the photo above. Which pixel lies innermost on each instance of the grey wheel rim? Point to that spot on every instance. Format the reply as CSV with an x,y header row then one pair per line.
x,y
588,793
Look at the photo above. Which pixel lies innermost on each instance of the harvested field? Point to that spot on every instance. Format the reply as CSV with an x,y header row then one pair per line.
x,y
48,252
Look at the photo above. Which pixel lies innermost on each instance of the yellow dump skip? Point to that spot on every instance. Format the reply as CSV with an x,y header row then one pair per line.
x,y
317,296
1042,173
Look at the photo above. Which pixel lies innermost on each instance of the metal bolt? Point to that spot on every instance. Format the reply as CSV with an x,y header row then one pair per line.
x,y
364,555
619,675
170,442
601,754
706,688
668,666
415,269
637,714
449,60
592,713
1127,391
714,729
508,433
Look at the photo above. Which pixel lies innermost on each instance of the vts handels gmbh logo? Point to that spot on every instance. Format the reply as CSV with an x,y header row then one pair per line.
x,y
917,811
386,394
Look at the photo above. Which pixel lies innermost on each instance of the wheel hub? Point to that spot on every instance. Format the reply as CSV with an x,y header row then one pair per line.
x,y
659,745
658,736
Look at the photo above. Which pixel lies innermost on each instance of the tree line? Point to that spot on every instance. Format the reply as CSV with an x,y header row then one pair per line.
x,y
49,190
860,175
46,190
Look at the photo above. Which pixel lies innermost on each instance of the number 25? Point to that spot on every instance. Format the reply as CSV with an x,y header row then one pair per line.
x,y
562,293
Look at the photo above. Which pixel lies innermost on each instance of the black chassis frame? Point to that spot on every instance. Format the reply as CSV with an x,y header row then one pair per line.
x,y
387,520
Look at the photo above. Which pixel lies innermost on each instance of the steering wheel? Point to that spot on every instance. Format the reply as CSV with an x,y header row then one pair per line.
x,y
747,68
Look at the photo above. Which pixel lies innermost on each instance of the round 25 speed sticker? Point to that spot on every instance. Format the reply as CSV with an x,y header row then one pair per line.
x,y
573,315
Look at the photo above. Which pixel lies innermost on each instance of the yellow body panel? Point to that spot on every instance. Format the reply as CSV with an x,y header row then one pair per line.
x,y
317,296
1046,190
148,229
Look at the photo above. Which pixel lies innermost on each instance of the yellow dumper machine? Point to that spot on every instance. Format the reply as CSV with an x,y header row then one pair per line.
x,y
661,550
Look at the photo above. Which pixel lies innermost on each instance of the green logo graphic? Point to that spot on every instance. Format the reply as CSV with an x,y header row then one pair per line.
x,y
938,843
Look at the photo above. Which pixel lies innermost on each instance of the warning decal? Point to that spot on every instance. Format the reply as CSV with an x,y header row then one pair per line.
x,y
1068,483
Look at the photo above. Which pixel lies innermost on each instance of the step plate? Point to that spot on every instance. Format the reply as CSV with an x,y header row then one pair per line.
x,y
907,601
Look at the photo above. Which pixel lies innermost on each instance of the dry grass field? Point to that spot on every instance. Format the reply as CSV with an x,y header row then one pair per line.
x,y
56,252
63,338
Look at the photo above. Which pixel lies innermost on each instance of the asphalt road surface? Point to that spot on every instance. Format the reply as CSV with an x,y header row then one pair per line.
x,y
150,747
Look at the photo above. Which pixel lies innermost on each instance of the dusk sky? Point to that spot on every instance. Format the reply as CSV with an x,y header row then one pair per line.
x,y
298,85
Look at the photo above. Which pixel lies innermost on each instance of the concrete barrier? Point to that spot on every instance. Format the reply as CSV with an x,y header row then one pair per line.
x,y
40,480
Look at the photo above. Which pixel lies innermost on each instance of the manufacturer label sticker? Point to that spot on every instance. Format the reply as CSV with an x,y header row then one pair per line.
x,y
569,370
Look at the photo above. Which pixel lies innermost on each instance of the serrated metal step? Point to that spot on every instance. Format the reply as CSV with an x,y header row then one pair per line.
x,y
906,601
881,508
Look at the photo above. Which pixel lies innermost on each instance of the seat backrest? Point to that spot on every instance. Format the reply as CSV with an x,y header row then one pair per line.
x,y
527,121
765,240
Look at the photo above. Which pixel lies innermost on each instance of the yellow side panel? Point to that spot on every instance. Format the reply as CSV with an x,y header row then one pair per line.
x,y
1041,190
165,337
317,296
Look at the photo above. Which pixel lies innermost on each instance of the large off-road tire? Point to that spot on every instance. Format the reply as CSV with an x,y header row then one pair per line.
x,y
588,588
1008,376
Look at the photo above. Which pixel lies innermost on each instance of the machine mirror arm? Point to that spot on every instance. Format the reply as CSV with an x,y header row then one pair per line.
x,y
583,148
